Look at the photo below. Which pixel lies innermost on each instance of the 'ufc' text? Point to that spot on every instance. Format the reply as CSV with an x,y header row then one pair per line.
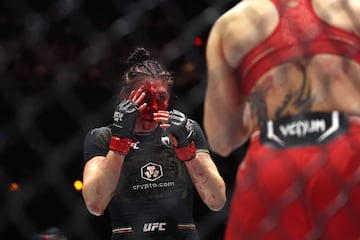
x,y
151,227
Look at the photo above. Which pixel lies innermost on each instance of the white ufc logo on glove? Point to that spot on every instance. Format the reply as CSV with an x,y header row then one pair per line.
x,y
118,116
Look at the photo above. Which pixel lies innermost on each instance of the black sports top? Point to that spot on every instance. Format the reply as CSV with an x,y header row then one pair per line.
x,y
154,196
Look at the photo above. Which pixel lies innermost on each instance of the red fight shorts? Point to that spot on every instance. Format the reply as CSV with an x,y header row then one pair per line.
x,y
307,192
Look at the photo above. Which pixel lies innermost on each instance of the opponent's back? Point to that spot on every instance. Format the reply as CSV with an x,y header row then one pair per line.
x,y
285,82
251,21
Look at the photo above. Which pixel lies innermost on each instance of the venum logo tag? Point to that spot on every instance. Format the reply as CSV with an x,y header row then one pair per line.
x,y
302,128
151,171
311,128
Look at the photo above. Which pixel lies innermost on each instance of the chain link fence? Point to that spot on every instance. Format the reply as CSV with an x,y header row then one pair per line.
x,y
60,65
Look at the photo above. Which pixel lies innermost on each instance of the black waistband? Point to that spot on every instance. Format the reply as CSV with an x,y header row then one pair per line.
x,y
154,227
302,130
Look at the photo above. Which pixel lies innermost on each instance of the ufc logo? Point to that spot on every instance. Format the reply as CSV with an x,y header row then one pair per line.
x,y
135,145
118,116
151,227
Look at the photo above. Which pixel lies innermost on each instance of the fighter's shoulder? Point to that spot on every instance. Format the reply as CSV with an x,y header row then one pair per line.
x,y
342,13
100,132
240,23
237,30
195,125
247,8
336,5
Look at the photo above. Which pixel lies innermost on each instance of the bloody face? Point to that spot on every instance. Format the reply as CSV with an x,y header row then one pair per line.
x,y
157,98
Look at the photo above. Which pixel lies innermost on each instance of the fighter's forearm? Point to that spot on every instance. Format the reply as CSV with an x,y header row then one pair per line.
x,y
100,179
207,181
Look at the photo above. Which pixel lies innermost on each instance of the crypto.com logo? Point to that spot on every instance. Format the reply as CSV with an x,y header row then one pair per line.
x,y
151,171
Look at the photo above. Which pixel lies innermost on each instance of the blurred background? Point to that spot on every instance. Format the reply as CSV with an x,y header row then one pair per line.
x,y
60,69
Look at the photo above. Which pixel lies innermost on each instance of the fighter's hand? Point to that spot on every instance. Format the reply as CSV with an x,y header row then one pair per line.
x,y
125,116
162,117
180,128
177,125
126,113
138,97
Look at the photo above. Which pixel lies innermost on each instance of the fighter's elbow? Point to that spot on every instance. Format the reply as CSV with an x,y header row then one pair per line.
x,y
93,204
218,204
94,208
220,148
216,200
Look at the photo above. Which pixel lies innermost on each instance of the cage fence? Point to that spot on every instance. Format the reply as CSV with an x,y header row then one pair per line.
x,y
60,65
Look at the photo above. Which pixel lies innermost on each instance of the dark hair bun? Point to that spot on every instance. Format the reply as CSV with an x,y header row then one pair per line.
x,y
138,56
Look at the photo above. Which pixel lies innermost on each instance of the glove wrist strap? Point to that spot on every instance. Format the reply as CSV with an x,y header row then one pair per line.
x,y
186,153
121,145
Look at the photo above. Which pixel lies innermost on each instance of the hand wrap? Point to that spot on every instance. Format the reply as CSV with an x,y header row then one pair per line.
x,y
181,129
122,130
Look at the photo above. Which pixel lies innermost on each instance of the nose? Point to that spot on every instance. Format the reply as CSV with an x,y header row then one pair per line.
x,y
152,105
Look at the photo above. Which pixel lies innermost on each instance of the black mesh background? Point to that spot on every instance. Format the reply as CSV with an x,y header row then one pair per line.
x,y
60,65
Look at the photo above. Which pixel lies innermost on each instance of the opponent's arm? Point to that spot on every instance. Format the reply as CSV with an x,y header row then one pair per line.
x,y
101,174
203,171
226,110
